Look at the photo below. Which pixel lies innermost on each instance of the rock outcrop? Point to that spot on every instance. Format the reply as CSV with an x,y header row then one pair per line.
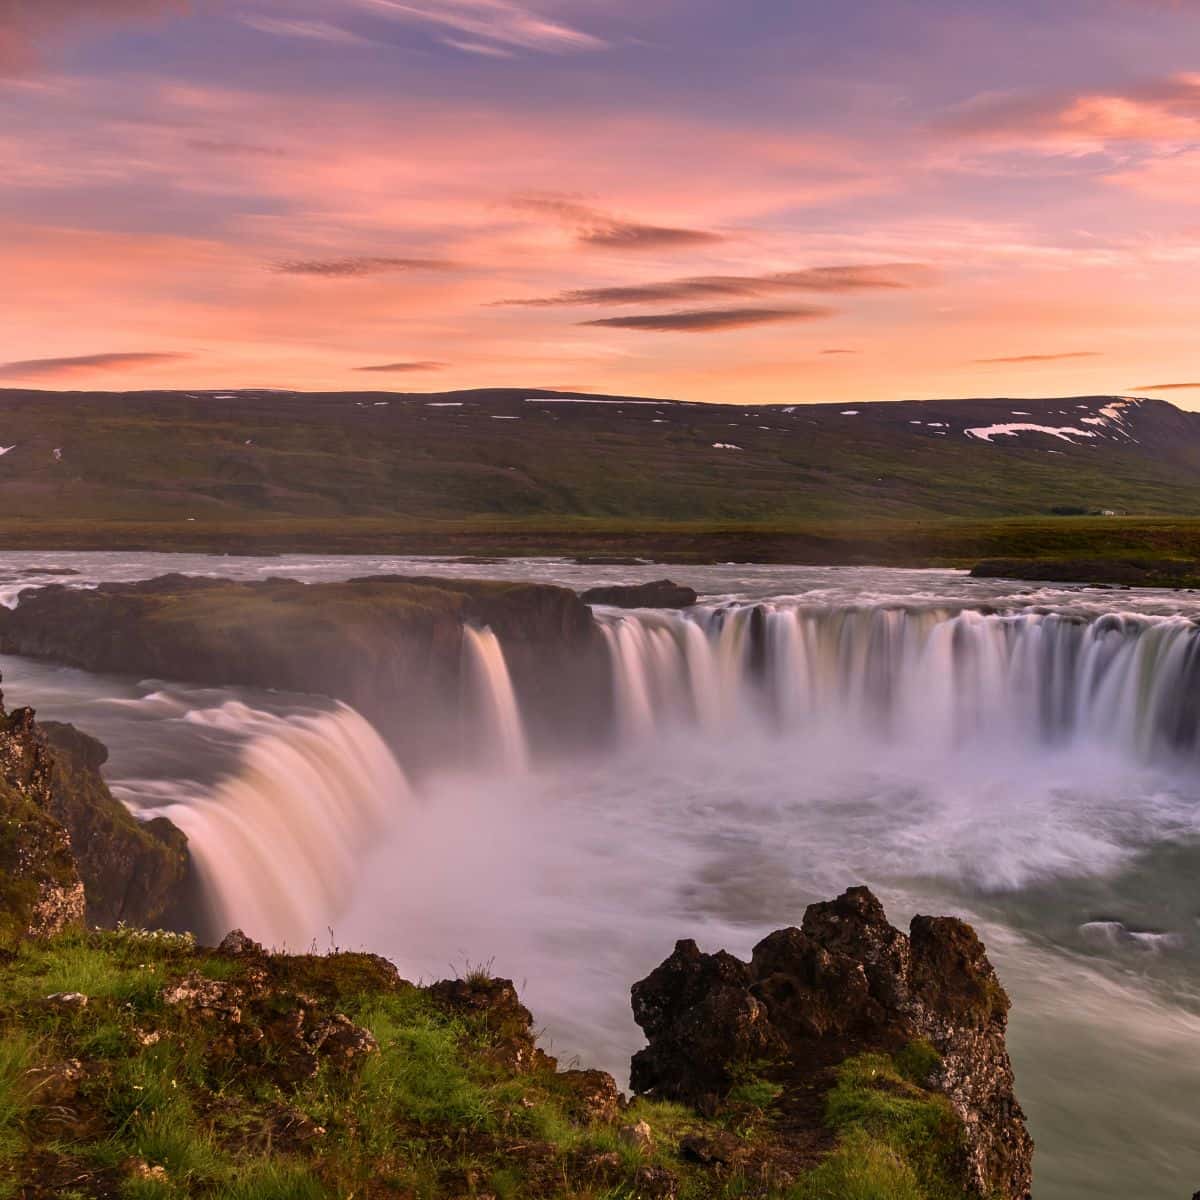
x,y
389,646
70,852
662,593
133,871
844,984
41,893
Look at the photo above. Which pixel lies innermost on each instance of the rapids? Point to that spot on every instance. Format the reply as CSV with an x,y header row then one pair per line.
x,y
1023,756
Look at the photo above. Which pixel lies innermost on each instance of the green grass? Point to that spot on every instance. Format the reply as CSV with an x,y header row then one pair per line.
x,y
421,1078
882,541
318,472
896,1141
861,1168
16,1057
440,1112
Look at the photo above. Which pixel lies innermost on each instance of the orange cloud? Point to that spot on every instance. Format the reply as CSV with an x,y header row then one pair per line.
x,y
83,364
1162,113
404,367
353,268
885,276
710,320
1041,358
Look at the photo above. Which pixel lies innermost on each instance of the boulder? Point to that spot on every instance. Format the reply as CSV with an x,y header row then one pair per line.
x,y
594,1097
236,944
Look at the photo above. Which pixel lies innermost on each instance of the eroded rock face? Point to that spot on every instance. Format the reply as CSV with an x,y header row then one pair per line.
x,y
41,892
844,983
662,593
132,870
69,850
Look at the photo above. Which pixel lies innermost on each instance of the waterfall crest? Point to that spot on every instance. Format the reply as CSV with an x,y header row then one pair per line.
x,y
936,675
278,845
499,732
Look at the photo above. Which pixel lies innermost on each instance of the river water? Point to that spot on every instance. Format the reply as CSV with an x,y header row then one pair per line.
x,y
1023,756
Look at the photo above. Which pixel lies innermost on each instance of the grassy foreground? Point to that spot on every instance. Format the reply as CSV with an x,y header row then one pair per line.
x,y
197,1073
908,543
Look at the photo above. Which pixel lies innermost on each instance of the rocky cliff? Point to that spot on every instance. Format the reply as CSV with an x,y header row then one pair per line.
x,y
389,646
69,850
924,1008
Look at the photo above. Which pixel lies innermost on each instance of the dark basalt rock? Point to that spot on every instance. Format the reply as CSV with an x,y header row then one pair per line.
x,y
41,892
69,850
844,983
133,871
662,593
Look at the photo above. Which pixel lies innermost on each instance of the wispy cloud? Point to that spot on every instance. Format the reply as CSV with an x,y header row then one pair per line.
x,y
352,268
713,319
399,367
483,48
595,228
314,31
835,350
630,235
1041,358
884,276
491,22
1165,387
83,363
1163,112
233,149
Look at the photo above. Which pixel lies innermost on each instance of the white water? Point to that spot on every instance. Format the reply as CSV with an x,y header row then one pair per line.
x,y
278,844
495,727
928,677
1031,768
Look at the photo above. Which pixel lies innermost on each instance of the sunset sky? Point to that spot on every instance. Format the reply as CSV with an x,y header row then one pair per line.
x,y
731,200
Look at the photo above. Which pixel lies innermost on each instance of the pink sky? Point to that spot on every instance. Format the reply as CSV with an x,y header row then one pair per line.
x,y
724,201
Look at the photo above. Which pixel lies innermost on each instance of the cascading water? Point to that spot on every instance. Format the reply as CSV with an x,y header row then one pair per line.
x,y
278,844
941,677
498,731
1019,756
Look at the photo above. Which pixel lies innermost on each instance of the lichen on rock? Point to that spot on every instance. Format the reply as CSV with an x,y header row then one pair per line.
x,y
843,985
69,850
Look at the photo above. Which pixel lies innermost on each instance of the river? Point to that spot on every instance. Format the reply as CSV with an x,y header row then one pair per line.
x,y
1022,756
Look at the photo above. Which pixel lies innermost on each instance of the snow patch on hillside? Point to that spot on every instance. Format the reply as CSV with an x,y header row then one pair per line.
x,y
985,433
1109,421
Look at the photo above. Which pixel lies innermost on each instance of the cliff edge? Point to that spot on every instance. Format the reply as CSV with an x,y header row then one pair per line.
x,y
140,1065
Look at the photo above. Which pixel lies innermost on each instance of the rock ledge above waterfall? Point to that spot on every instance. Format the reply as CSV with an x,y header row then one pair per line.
x,y
662,593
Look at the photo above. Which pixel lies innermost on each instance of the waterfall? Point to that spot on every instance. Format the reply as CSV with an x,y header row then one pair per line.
x,y
939,676
499,731
278,845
